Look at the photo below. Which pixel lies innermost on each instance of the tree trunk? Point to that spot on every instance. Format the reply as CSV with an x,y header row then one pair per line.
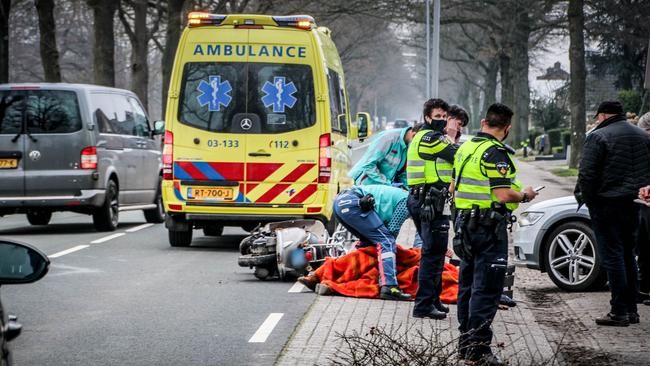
x,y
174,25
49,51
507,88
519,73
578,76
104,38
139,65
491,74
5,7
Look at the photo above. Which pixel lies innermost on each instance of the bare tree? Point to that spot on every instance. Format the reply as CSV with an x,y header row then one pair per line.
x,y
578,76
173,35
104,47
5,7
49,51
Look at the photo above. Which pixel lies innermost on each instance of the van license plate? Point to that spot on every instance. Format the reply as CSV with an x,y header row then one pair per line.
x,y
8,163
210,193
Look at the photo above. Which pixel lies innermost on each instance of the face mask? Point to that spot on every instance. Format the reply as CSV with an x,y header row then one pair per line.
x,y
438,124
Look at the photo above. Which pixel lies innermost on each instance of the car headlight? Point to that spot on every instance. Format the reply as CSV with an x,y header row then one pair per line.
x,y
529,218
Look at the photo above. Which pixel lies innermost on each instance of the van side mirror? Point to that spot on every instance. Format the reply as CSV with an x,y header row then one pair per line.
x,y
364,129
21,263
159,128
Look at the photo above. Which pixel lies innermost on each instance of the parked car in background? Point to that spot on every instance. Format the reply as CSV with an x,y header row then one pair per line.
x,y
81,148
555,237
401,123
19,263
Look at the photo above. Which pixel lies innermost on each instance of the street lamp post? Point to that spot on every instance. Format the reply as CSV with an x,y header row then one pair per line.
x,y
432,80
428,73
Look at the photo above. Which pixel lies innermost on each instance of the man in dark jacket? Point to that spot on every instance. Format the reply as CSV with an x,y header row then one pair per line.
x,y
615,164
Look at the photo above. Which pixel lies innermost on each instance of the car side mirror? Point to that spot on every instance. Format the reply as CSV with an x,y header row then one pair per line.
x,y
159,128
21,263
363,125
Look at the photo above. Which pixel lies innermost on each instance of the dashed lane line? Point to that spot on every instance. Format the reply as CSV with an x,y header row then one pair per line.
x,y
68,251
138,228
297,287
107,238
266,328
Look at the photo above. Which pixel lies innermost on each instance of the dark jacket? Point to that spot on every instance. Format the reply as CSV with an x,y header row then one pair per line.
x,y
615,161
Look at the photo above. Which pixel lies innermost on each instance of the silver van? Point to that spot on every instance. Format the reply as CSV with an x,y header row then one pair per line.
x,y
81,148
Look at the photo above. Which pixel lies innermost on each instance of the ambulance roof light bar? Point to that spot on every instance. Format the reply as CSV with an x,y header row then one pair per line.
x,y
298,21
198,18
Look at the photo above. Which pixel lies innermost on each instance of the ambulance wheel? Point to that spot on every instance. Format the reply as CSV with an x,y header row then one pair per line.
x,y
249,226
213,230
180,238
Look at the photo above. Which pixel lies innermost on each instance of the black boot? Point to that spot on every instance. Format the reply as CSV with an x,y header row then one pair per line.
x,y
634,318
614,320
440,306
434,314
393,293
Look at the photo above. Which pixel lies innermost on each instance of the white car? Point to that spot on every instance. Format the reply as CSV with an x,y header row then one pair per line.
x,y
555,236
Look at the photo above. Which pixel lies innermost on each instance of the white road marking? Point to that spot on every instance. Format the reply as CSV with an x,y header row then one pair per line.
x,y
297,287
138,228
68,251
107,238
266,328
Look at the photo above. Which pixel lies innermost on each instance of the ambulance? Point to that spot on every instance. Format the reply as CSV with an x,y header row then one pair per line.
x,y
257,126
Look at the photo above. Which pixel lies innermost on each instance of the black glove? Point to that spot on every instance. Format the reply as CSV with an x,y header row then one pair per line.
x,y
367,203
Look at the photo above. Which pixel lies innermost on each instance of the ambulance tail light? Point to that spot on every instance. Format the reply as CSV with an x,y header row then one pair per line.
x,y
168,156
325,158
198,18
89,157
305,22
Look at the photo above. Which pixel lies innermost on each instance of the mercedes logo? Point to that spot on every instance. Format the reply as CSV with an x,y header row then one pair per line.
x,y
246,124
35,155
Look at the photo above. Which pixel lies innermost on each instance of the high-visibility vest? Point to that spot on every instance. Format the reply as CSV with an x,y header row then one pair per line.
x,y
473,180
421,171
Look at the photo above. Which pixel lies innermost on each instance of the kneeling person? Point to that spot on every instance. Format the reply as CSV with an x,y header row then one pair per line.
x,y
375,214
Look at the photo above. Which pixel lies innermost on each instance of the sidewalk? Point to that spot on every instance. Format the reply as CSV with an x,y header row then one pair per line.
x,y
545,320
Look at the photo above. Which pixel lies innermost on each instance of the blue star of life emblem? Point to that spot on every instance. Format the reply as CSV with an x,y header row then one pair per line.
x,y
279,94
215,93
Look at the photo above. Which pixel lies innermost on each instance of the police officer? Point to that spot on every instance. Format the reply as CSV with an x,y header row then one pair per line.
x,y
375,214
486,192
428,169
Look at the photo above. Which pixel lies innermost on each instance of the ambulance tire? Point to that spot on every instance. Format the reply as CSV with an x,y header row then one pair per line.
x,y
249,226
213,230
180,238
332,224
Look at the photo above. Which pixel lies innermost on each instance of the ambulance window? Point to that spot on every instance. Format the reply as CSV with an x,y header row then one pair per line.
x,y
277,97
52,111
337,102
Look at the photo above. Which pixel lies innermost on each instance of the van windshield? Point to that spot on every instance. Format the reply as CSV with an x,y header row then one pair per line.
x,y
44,111
247,97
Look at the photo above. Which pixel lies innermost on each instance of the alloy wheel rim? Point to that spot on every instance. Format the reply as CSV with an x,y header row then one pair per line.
x,y
115,207
572,257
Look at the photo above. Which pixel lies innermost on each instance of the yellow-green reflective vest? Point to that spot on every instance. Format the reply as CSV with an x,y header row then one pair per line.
x,y
473,186
421,171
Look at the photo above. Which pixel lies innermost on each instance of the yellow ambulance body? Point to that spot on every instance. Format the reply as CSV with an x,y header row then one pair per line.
x,y
256,127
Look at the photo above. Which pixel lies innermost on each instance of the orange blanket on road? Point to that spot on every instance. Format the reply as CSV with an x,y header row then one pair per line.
x,y
356,274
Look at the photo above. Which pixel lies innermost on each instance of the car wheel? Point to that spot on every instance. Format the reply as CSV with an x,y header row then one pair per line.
x,y
180,238
213,230
156,215
572,261
39,217
249,226
107,217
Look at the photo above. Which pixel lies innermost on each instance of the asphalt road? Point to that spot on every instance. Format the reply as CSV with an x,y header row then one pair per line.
x,y
134,300
129,298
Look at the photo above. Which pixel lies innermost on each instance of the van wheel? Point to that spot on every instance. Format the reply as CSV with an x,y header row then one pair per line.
x,y
107,217
39,217
156,215
213,230
180,238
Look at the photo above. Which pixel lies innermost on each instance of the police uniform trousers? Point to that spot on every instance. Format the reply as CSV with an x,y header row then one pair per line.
x,y
369,228
614,223
643,249
435,238
480,284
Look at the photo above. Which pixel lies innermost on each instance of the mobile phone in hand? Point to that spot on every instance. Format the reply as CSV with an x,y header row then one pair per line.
x,y
537,189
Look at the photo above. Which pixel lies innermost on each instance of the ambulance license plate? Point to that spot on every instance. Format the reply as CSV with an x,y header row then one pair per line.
x,y
8,163
210,193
